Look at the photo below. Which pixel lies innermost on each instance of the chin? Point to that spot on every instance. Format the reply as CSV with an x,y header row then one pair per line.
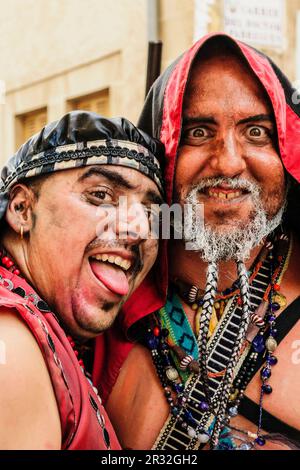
x,y
227,227
95,321
87,320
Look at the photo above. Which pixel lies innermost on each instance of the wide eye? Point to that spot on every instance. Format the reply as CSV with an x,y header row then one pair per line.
x,y
101,195
199,132
195,135
258,132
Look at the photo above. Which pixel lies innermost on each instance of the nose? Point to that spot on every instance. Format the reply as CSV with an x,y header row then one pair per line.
x,y
227,158
133,224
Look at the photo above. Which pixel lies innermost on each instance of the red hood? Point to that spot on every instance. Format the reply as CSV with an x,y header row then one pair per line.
x,y
162,118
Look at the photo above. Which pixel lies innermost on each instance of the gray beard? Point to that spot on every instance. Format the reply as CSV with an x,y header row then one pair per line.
x,y
235,244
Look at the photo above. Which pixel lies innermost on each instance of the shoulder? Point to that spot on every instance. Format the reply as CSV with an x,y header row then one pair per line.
x,y
28,415
137,373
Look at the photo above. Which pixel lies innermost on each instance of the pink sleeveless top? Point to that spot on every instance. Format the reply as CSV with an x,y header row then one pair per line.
x,y
84,422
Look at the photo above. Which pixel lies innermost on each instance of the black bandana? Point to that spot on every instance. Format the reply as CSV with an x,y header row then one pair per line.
x,y
78,139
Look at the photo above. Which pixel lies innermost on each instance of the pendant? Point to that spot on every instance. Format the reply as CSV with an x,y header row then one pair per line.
x,y
256,321
280,299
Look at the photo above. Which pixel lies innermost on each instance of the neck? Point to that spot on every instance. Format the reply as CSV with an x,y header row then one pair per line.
x,y
189,267
16,250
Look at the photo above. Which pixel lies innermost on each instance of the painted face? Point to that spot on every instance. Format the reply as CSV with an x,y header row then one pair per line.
x,y
87,250
228,133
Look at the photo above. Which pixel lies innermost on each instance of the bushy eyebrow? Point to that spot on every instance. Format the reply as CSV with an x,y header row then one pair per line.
x,y
257,118
211,120
197,119
116,178
112,176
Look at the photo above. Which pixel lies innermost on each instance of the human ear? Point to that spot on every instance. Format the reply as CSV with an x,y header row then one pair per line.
x,y
19,213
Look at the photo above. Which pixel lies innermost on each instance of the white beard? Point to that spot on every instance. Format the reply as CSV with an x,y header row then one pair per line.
x,y
235,244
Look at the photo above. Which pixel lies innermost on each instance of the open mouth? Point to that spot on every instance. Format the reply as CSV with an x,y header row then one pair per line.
x,y
224,195
125,264
114,271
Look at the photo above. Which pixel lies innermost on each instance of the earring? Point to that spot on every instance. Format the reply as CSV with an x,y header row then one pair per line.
x,y
21,232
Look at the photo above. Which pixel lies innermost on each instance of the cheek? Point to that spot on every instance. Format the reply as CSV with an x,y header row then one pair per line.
x,y
188,165
268,170
150,252
61,235
269,173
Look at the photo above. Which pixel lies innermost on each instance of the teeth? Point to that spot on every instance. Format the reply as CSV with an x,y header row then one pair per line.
x,y
125,264
221,195
117,260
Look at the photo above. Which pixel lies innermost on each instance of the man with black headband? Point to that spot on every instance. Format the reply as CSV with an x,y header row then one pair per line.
x,y
76,205
218,363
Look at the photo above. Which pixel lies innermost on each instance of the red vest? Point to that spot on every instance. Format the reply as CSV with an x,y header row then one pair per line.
x,y
84,423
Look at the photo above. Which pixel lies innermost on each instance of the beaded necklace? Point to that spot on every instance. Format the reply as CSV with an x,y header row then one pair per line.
x,y
173,364
193,295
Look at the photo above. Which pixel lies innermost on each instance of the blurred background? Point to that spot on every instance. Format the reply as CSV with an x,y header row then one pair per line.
x,y
58,55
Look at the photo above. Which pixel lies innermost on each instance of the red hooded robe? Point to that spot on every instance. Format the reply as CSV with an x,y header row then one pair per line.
x,y
162,118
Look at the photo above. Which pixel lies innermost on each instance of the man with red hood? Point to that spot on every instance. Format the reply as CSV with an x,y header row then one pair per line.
x,y
216,365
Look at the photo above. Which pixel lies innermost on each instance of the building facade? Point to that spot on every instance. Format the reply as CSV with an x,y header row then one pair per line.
x,y
58,55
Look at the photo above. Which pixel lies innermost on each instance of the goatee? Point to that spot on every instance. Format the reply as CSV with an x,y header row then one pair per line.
x,y
216,245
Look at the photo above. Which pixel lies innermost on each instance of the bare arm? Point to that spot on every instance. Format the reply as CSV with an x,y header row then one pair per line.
x,y
29,417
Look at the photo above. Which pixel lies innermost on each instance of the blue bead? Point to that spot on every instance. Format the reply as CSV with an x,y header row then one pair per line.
x,y
271,318
190,418
273,332
233,411
153,342
267,389
260,441
227,291
204,406
258,343
188,415
245,446
275,306
174,411
265,373
272,360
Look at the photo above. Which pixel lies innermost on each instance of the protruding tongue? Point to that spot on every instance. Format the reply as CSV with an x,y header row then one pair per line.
x,y
112,277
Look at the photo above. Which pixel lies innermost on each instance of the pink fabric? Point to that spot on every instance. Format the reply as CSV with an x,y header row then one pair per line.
x,y
79,424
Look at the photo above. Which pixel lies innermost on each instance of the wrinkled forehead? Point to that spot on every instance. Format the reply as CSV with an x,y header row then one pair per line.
x,y
218,60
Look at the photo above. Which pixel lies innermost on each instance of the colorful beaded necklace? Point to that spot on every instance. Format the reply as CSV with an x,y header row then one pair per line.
x,y
174,365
